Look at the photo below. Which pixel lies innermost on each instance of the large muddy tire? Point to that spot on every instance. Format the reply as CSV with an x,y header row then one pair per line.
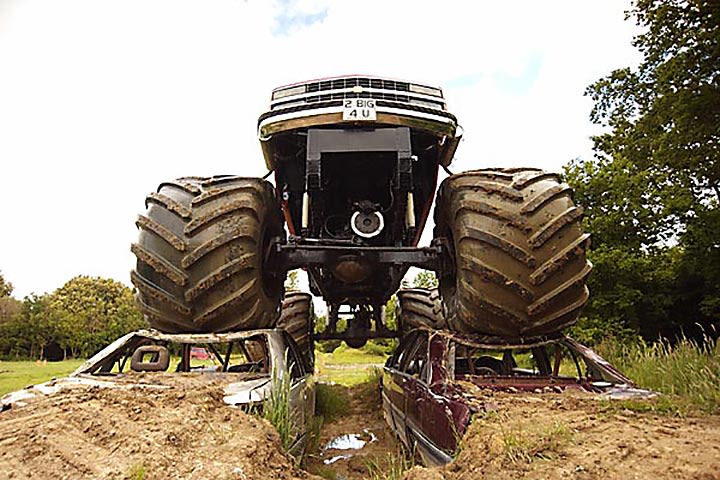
x,y
519,253
297,317
200,255
419,307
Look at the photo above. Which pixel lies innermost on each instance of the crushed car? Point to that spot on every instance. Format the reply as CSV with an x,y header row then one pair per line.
x,y
428,383
247,366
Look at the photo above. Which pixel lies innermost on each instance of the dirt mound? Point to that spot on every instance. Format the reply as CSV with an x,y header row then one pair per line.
x,y
579,436
185,431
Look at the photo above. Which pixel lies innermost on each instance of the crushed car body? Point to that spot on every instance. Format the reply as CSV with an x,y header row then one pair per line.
x,y
247,366
429,384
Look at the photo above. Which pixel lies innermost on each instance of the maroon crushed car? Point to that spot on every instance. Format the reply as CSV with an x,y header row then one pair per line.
x,y
426,405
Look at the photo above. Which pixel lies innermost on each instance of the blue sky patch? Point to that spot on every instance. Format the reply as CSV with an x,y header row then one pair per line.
x,y
289,20
464,81
515,84
521,83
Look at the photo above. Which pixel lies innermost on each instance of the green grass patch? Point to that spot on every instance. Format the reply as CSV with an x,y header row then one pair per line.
x,y
137,472
330,401
687,373
16,375
344,355
346,366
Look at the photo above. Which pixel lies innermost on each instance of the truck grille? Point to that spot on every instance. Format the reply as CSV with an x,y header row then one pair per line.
x,y
340,83
321,91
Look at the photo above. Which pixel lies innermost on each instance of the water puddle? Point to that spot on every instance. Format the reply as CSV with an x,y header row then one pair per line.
x,y
349,441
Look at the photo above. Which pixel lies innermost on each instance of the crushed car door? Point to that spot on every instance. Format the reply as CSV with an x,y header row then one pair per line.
x,y
393,386
414,370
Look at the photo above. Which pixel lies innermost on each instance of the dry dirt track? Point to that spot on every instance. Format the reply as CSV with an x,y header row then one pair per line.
x,y
189,433
183,433
574,436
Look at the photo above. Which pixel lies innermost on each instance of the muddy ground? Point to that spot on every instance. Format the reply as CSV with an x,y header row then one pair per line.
x,y
185,432
366,443
577,436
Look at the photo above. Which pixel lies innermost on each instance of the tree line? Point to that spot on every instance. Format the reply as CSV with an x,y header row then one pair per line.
x,y
74,321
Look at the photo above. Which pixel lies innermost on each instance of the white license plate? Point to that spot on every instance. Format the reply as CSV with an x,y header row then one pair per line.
x,y
359,110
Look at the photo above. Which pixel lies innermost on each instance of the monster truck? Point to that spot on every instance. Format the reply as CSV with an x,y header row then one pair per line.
x,y
356,161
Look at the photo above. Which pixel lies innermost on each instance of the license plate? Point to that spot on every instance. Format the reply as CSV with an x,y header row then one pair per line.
x,y
359,110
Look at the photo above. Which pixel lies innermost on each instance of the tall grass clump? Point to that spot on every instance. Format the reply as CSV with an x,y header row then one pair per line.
x,y
687,370
392,467
373,380
276,409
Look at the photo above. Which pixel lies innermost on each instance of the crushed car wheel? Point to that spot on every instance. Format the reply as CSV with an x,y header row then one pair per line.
x,y
518,249
200,255
419,307
297,317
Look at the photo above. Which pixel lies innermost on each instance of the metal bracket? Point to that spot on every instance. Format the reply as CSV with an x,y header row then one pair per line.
x,y
290,256
343,335
320,141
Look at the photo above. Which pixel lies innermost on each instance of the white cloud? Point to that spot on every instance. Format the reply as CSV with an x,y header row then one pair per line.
x,y
100,101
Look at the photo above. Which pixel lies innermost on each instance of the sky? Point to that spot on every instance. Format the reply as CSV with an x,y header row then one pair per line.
x,y
100,101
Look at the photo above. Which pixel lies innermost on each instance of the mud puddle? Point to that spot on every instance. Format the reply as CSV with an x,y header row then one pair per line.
x,y
348,442
355,441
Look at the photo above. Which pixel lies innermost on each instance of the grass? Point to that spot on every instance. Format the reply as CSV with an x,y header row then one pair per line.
x,y
524,447
276,410
392,467
687,373
344,355
16,375
137,472
330,401
346,366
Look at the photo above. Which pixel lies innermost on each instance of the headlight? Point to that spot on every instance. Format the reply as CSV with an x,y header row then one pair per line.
x,y
435,92
288,92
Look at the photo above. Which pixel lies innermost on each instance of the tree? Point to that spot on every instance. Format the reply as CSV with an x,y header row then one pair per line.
x,y
9,307
292,282
27,333
6,288
664,115
651,196
425,279
93,311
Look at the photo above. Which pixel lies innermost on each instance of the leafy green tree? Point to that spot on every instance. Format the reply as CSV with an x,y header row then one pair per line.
x,y
425,279
27,333
292,282
664,116
91,312
6,288
651,197
9,307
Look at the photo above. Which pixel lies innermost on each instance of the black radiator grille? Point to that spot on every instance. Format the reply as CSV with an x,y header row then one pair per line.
x,y
340,83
